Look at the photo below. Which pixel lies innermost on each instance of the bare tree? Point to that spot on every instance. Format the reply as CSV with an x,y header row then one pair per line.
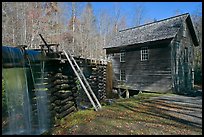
x,y
177,12
88,30
6,39
117,13
122,23
148,20
139,14
104,26
197,21
73,25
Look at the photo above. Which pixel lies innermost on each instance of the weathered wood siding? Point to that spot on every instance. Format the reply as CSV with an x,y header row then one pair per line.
x,y
170,65
151,75
109,77
182,71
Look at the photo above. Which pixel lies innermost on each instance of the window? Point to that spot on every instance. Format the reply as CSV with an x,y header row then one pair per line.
x,y
122,75
177,44
122,56
186,55
144,54
184,30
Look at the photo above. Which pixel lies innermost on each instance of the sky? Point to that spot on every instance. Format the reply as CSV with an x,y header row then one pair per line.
x,y
152,10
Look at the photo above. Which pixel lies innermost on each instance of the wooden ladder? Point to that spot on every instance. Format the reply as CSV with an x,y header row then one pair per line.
x,y
84,83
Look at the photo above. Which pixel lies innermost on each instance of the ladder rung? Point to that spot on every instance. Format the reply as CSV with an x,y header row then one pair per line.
x,y
83,81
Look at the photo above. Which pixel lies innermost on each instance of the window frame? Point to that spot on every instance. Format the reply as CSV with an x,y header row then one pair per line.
x,y
184,30
144,54
122,75
186,55
122,55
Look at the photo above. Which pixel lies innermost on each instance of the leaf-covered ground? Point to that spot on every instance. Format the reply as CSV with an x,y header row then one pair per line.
x,y
139,115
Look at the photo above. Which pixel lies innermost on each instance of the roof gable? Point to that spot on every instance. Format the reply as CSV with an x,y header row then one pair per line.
x,y
159,30
192,31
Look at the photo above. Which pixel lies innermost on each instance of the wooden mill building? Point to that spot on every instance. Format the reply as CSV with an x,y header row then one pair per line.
x,y
157,56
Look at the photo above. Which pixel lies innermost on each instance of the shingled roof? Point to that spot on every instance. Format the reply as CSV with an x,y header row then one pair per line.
x,y
159,30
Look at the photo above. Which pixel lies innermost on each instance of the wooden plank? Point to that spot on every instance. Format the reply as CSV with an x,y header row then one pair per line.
x,y
81,82
158,67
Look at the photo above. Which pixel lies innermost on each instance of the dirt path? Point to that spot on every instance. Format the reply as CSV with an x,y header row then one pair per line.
x,y
183,109
163,115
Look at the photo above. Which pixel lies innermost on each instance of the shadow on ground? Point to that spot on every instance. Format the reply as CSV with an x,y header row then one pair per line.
x,y
167,114
181,109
